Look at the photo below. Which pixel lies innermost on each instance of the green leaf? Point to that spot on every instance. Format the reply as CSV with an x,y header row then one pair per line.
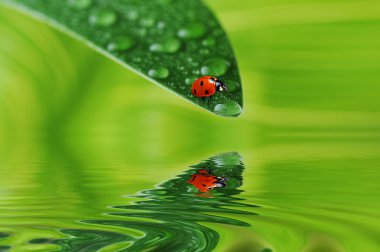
x,y
169,42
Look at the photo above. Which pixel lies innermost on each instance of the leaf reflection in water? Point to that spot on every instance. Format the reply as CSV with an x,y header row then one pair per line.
x,y
169,216
4,247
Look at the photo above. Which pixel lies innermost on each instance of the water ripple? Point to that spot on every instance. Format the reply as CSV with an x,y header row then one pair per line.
x,y
4,248
169,216
84,240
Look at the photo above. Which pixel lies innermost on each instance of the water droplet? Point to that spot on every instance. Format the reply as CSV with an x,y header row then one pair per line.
x,y
194,30
147,22
160,25
79,4
142,32
132,14
180,67
215,67
159,73
121,43
102,18
190,80
137,59
170,45
233,86
204,51
228,108
209,42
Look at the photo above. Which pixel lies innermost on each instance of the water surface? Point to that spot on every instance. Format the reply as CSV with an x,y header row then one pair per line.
x,y
317,201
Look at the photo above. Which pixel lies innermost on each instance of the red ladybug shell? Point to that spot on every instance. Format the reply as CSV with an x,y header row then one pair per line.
x,y
203,180
204,86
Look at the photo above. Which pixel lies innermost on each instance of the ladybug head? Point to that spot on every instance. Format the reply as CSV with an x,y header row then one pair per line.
x,y
220,86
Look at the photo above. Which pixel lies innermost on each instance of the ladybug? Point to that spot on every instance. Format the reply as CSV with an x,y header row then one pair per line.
x,y
204,181
207,86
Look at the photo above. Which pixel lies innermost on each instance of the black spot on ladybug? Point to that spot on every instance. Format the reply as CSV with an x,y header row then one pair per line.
x,y
193,178
206,92
201,83
195,91
203,185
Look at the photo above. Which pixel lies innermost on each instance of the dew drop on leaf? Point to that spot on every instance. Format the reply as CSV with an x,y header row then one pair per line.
x,y
132,14
142,32
194,30
159,73
79,4
147,22
121,43
181,68
209,42
215,67
228,108
204,51
170,45
137,59
102,18
160,25
233,86
190,80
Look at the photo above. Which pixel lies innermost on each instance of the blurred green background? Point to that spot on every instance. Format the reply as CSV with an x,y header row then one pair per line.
x,y
77,130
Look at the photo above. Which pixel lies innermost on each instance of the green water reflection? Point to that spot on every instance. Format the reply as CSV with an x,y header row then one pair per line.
x,y
169,216
316,196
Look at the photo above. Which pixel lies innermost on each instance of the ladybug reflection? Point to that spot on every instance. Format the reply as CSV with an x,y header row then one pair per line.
x,y
204,181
